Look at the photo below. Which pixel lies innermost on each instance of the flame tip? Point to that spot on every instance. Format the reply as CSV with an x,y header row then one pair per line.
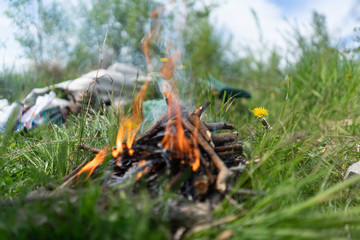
x,y
90,166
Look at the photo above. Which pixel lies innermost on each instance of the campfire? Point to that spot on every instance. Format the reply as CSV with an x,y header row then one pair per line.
x,y
196,160
179,153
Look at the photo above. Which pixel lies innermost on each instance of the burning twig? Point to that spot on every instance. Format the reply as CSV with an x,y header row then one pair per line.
x,y
224,172
203,130
90,166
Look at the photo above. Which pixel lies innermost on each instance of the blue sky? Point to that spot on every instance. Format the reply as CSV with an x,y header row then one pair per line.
x,y
234,17
286,4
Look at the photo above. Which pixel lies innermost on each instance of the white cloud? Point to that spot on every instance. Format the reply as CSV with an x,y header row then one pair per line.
x,y
340,15
236,17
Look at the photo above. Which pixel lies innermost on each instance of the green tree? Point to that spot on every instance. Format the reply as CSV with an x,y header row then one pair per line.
x,y
127,22
42,30
206,50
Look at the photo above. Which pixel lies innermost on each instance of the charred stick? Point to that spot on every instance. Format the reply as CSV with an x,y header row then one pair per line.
x,y
203,130
219,126
207,170
152,130
90,148
222,138
224,172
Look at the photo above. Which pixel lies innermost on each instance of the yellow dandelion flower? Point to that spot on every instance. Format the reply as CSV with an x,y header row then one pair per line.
x,y
260,112
164,60
348,75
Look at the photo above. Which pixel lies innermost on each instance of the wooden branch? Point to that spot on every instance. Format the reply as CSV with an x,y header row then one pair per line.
x,y
207,170
233,147
222,138
67,180
200,110
229,153
224,172
203,130
219,126
90,148
201,185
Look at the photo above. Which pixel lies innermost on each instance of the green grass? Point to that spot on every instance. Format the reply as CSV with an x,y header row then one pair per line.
x,y
299,164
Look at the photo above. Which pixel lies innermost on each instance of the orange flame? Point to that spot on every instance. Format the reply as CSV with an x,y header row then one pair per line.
x,y
139,174
175,138
129,127
90,166
196,164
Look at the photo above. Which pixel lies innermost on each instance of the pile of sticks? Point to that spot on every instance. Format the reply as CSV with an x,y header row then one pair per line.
x,y
220,157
